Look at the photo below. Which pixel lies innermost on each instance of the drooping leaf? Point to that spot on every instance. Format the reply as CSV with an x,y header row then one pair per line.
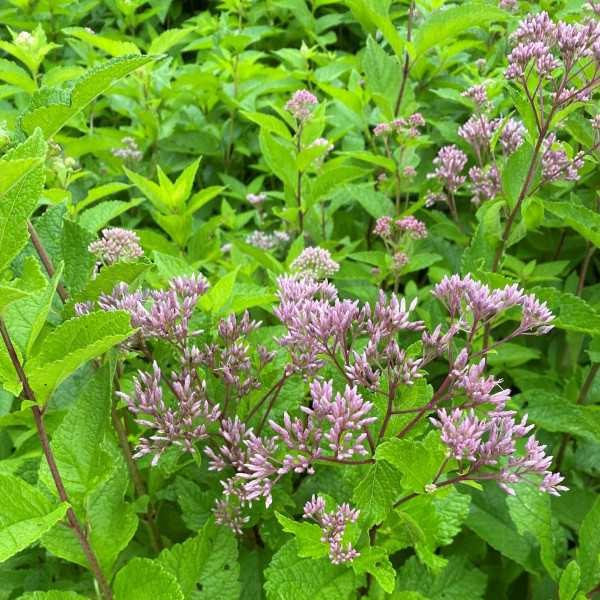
x,y
52,115
584,221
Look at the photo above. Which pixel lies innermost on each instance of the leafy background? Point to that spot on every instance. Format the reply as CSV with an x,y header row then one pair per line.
x,y
202,93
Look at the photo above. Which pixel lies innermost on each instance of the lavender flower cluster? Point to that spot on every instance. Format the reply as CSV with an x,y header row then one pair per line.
x,y
130,153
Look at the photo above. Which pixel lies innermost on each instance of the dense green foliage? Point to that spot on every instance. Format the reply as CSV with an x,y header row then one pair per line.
x,y
148,116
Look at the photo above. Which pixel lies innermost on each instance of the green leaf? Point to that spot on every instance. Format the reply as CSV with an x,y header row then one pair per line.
x,y
196,505
375,560
218,296
532,210
143,578
130,273
569,581
376,493
20,196
73,343
419,462
584,221
25,514
530,511
573,313
199,199
159,197
515,172
210,560
97,217
279,157
76,443
307,535
457,581
449,23
554,412
52,116
489,519
10,295
110,46
269,123
374,203
15,75
385,77
111,522
26,318
52,595
588,553
290,577
79,263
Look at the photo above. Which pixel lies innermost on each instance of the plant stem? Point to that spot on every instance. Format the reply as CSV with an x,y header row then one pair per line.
x,y
593,592
589,251
138,483
580,400
407,66
41,251
60,488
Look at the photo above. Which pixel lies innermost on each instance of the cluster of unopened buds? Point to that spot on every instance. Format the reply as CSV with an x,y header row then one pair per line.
x,y
333,524
299,106
314,263
130,152
399,235
117,245
268,241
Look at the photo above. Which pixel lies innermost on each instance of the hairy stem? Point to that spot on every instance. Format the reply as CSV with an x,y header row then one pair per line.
x,y
41,251
60,488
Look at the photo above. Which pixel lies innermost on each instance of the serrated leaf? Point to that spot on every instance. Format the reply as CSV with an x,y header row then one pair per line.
x,y
457,581
20,196
290,577
54,115
376,493
307,535
210,560
441,25
112,47
375,560
26,318
73,343
52,595
584,221
111,522
142,578
25,514
76,443
530,511
419,462
78,261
